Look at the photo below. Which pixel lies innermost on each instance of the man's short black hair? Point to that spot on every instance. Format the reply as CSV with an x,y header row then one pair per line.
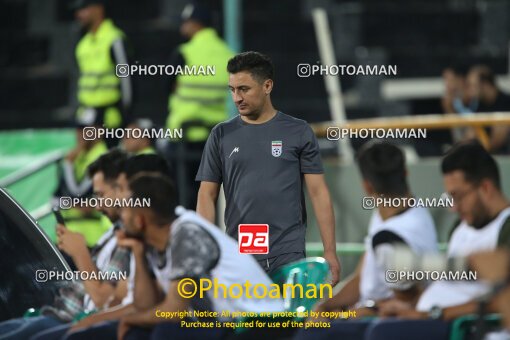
x,y
111,164
486,75
459,69
161,192
257,64
146,163
474,161
383,165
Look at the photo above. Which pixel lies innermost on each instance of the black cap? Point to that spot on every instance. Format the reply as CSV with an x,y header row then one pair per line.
x,y
79,4
194,11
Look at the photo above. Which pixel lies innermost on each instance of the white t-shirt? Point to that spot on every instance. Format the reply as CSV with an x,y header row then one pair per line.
x,y
415,227
465,241
199,249
108,242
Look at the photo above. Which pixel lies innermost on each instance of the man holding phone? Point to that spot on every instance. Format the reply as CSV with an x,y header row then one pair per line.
x,y
102,325
87,295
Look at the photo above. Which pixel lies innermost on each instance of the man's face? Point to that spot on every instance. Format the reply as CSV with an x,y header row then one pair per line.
x,y
85,16
134,145
468,200
123,186
132,220
452,82
105,189
248,94
188,28
473,85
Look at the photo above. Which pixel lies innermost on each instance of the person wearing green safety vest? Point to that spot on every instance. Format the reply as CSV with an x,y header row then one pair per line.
x,y
104,88
139,145
197,101
74,183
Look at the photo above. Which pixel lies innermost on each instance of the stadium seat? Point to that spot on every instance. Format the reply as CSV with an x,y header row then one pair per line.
x,y
463,326
312,270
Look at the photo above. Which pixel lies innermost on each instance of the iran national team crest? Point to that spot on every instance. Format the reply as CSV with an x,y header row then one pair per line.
x,y
276,148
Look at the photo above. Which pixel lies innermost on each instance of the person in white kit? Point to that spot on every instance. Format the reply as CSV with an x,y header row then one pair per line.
x,y
382,167
471,177
198,250
82,296
103,325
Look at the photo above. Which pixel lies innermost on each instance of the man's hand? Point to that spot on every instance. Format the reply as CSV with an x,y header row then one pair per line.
x,y
71,156
413,314
393,307
334,266
136,246
71,242
491,265
84,323
124,327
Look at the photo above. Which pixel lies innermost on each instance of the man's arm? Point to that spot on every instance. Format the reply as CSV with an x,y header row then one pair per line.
x,y
449,313
119,54
321,202
173,302
206,201
74,244
498,138
114,313
210,175
146,293
176,59
349,293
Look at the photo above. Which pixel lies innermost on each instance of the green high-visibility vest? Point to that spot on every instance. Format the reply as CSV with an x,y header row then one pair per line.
x,y
201,97
98,86
95,225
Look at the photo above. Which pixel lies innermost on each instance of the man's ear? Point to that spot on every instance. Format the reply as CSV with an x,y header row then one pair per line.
x,y
368,187
487,187
140,221
268,86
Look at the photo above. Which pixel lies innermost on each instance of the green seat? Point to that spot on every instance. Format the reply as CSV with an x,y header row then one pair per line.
x,y
31,312
309,271
462,326
83,315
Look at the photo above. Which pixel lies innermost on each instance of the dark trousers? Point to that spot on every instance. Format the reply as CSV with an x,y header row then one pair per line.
x,y
184,158
173,331
379,329
53,333
346,330
272,264
408,329
105,330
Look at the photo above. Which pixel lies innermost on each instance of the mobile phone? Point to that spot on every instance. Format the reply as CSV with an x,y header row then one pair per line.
x,y
58,216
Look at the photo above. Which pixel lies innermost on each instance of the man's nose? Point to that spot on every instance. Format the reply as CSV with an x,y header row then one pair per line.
x,y
236,97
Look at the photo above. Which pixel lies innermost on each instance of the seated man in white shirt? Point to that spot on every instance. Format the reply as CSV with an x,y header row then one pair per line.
x,y
494,267
471,177
197,250
103,325
382,166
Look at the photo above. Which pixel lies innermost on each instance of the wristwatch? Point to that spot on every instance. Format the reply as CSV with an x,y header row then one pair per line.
x,y
370,304
436,313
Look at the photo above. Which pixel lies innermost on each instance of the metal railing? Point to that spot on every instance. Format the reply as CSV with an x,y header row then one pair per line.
x,y
52,158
